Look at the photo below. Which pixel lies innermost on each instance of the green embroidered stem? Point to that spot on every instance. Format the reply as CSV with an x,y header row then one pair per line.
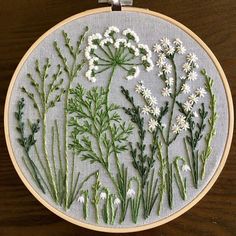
x,y
161,188
28,142
85,204
135,201
179,179
168,165
72,73
142,162
211,121
95,199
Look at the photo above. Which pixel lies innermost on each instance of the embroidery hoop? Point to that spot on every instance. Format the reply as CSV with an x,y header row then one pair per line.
x,y
135,228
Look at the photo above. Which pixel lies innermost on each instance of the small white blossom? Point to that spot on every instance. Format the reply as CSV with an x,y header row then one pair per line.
x,y
185,88
160,63
117,201
150,65
133,73
139,88
146,110
106,42
110,31
192,76
186,67
180,119
186,168
144,49
201,92
170,50
184,126
181,49
187,106
175,129
152,101
157,48
103,195
165,42
131,193
130,34
167,68
152,124
81,199
90,75
163,125
166,92
156,111
94,39
147,93
134,50
177,42
120,42
191,57
193,99
182,77
169,81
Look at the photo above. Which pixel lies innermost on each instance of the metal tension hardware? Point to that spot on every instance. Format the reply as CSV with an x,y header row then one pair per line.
x,y
116,5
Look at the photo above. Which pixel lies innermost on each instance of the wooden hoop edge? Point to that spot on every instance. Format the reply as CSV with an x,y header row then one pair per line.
x,y
135,228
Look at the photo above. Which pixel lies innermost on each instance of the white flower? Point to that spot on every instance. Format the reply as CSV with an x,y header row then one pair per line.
x,y
167,68
191,57
166,92
180,119
185,88
186,67
110,31
117,201
152,124
133,73
157,48
160,63
88,51
195,114
139,88
147,93
170,81
182,77
193,98
184,126
103,195
90,75
175,129
187,106
181,49
130,34
120,42
192,76
177,42
186,168
165,42
170,50
131,193
146,109
152,101
150,65
106,42
155,111
93,61
133,50
144,49
201,92
81,199
94,39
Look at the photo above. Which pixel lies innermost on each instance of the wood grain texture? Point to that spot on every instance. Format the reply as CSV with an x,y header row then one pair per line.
x,y
22,22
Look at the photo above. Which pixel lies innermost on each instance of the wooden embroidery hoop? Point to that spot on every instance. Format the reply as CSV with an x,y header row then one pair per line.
x,y
134,228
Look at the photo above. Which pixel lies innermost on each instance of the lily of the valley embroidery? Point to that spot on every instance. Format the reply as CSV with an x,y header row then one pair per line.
x,y
93,129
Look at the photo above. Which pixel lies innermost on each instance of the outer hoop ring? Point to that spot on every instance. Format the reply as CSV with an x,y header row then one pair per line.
x,y
137,228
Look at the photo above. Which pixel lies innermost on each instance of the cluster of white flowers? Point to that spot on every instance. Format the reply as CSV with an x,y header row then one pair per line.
x,y
165,49
193,99
180,125
189,66
151,107
110,46
117,201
